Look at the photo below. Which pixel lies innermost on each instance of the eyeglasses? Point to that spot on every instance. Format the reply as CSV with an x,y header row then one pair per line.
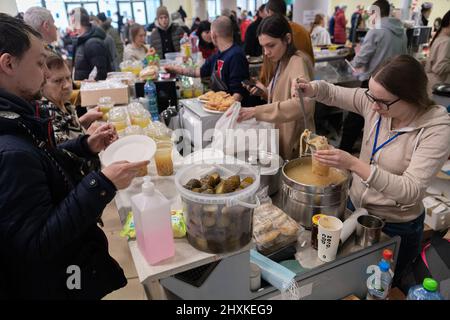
x,y
383,104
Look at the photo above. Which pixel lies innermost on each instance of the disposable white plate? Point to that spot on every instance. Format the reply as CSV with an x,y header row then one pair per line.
x,y
132,148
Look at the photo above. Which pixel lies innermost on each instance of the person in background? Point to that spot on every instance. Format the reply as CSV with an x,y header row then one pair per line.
x,y
165,36
438,62
137,49
332,23
89,50
49,208
119,22
251,45
406,142
235,25
57,91
340,26
436,26
227,68
105,24
109,43
182,13
245,22
378,45
41,20
425,12
356,20
126,31
205,43
319,35
275,36
176,19
195,24
301,38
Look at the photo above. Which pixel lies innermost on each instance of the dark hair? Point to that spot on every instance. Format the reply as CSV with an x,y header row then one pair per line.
x,y
444,23
134,30
404,77
55,62
204,26
15,36
84,16
262,7
277,27
277,6
384,6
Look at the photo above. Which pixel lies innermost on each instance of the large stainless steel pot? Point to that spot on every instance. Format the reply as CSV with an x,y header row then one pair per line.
x,y
302,201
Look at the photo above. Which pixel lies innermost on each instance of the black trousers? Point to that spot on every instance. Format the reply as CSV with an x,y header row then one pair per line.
x,y
352,127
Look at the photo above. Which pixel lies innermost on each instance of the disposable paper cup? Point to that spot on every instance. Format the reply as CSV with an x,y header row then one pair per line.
x,y
328,237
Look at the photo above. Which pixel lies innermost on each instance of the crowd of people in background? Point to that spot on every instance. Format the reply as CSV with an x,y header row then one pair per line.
x,y
66,191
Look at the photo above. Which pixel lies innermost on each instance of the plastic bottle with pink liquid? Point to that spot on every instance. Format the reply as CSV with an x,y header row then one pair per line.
x,y
153,225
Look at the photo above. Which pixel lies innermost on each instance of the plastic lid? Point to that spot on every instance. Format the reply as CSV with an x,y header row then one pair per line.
x,y
387,254
384,266
315,218
430,284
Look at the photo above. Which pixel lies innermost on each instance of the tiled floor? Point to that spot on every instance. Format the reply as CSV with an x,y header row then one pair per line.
x,y
118,248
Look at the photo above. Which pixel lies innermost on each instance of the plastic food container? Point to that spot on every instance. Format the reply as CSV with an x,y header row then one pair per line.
x,y
218,223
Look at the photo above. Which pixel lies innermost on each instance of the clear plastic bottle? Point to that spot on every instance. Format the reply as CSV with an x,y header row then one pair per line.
x,y
425,291
186,47
151,95
378,289
388,257
152,219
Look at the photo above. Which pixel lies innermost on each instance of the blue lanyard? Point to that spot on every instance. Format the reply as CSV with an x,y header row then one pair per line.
x,y
375,149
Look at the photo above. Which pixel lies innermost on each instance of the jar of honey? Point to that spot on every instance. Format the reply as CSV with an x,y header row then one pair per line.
x,y
163,158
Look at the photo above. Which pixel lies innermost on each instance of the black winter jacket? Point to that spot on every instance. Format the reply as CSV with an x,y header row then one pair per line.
x,y
48,221
91,51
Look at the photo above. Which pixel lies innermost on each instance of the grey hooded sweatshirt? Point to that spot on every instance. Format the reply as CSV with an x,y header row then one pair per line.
x,y
380,44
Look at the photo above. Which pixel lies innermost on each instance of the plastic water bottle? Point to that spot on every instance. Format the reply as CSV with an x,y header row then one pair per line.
x,y
152,219
151,95
425,291
387,257
379,284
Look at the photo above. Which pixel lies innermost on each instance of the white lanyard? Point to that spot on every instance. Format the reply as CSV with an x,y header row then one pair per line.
x,y
274,80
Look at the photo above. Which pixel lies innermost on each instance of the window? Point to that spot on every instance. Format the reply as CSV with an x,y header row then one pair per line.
x,y
213,8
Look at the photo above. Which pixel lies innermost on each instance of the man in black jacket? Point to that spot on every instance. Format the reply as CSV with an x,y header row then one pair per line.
x,y
90,49
50,244
251,45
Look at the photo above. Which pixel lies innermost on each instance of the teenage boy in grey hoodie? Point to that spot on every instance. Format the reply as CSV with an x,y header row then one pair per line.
x,y
386,40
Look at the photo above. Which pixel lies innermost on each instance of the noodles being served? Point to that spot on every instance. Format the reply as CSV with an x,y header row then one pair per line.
x,y
319,143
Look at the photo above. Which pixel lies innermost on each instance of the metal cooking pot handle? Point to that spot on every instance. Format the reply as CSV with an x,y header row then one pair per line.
x,y
249,205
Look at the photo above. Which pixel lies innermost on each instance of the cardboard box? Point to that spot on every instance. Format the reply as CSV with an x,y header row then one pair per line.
x,y
118,95
437,213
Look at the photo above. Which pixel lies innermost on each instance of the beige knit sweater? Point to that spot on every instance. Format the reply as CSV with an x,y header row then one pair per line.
x,y
290,131
438,63
404,168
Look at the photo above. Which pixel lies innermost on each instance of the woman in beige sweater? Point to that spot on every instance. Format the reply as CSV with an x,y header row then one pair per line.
x,y
275,37
406,141
438,63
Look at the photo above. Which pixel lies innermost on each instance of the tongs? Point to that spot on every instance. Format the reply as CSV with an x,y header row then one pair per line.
x,y
302,104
